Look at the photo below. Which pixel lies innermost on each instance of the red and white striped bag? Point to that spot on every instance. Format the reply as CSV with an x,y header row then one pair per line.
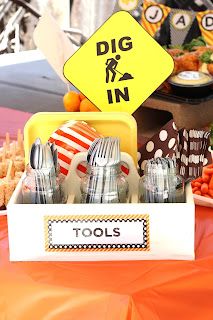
x,y
71,138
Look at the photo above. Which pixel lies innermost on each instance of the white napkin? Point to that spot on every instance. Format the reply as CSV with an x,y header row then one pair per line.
x,y
53,42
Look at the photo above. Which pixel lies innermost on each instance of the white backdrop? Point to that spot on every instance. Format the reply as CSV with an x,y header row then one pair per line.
x,y
88,15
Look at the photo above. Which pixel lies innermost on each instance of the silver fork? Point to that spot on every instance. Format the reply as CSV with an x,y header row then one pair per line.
x,y
90,156
107,181
113,159
91,162
116,156
91,159
101,159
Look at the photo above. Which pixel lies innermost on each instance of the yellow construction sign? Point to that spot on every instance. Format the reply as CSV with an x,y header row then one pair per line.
x,y
120,66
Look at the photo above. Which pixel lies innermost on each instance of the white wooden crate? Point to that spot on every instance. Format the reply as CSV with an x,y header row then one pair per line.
x,y
163,231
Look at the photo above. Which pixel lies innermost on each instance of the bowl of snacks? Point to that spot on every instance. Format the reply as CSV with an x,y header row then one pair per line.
x,y
191,83
192,76
202,188
12,166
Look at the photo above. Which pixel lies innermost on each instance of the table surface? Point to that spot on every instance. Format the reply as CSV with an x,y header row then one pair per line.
x,y
29,83
130,290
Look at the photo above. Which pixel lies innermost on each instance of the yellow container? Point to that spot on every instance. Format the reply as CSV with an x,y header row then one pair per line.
x,y
117,124
167,234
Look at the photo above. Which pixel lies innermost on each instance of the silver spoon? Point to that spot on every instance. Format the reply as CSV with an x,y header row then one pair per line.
x,y
91,150
37,141
32,156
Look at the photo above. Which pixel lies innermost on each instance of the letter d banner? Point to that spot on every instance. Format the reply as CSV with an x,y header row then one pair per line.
x,y
205,21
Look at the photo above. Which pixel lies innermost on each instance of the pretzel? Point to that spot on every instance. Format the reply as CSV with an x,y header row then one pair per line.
x,y
11,166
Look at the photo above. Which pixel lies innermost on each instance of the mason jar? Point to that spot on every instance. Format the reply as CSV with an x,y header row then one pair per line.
x,y
161,187
104,185
43,187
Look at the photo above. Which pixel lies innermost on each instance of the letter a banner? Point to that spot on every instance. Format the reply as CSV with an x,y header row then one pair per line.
x,y
205,20
153,16
180,24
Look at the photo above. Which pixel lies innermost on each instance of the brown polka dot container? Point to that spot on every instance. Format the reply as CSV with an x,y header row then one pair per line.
x,y
162,144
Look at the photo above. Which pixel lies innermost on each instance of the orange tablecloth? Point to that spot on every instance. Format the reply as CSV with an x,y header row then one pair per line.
x,y
147,290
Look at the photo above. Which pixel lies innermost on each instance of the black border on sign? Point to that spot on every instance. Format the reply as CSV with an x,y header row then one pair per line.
x,y
105,246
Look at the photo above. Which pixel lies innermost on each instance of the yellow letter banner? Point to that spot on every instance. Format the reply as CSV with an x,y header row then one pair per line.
x,y
153,16
128,5
180,24
205,21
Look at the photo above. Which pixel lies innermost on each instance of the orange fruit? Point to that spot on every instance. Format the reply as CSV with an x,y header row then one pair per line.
x,y
88,106
81,96
71,101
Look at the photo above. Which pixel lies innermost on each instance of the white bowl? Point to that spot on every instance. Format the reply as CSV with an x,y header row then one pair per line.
x,y
202,201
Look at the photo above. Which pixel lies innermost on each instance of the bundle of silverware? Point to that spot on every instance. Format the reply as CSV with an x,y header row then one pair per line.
x,y
161,183
104,181
42,184
193,153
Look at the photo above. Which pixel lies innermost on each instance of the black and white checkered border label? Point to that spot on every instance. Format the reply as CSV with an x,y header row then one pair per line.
x,y
82,246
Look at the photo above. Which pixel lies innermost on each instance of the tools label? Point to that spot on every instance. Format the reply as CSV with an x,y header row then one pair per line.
x,y
92,233
120,66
